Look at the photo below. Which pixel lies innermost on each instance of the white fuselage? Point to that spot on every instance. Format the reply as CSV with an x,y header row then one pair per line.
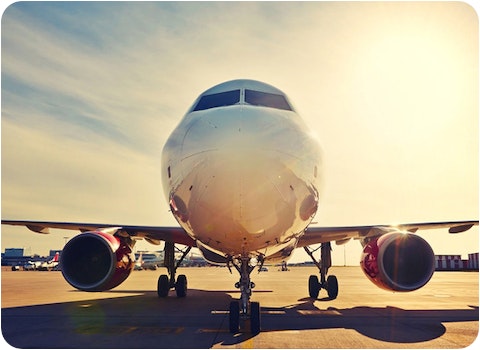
x,y
242,179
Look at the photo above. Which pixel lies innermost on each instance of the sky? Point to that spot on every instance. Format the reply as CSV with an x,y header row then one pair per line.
x,y
91,90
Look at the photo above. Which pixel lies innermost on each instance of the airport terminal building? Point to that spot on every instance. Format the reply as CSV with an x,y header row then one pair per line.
x,y
455,262
16,256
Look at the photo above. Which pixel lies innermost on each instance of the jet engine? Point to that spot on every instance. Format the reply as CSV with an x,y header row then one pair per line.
x,y
96,261
398,261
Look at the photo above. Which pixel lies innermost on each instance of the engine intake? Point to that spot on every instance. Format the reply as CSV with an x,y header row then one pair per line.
x,y
398,261
96,261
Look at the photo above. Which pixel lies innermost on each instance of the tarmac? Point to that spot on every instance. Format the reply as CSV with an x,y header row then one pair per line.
x,y
40,310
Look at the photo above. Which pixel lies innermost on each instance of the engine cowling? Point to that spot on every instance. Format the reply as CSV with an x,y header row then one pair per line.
x,y
96,261
398,261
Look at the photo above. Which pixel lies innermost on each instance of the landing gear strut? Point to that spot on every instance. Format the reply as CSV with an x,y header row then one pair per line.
x,y
165,283
244,309
330,283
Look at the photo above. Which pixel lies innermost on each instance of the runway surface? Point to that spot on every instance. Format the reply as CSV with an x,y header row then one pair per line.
x,y
40,310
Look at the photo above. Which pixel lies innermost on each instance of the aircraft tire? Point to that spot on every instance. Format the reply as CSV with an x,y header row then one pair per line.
x,y
255,320
313,287
234,317
163,286
332,287
181,286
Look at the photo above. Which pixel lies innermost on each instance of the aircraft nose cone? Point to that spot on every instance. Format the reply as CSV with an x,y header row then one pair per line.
x,y
245,199
242,178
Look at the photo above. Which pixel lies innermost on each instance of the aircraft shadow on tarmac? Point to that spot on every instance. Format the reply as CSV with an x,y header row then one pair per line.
x,y
200,321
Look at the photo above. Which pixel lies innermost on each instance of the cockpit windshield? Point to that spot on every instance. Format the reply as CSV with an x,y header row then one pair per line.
x,y
251,97
221,99
266,99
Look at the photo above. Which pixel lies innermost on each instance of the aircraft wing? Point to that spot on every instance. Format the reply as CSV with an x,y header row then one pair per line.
x,y
315,235
312,235
152,234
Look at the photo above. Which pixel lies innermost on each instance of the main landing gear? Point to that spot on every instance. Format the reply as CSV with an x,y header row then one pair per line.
x,y
330,283
243,309
165,283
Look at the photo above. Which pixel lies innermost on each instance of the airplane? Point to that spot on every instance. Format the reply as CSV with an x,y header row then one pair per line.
x,y
32,265
51,264
138,262
194,259
242,174
148,261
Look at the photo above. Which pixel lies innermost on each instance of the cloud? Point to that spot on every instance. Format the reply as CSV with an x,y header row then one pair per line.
x,y
44,179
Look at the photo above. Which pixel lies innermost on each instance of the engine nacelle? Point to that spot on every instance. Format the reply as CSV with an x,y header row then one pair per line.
x,y
96,261
398,261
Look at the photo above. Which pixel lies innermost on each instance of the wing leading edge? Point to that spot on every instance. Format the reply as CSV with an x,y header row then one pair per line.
x,y
152,234
315,235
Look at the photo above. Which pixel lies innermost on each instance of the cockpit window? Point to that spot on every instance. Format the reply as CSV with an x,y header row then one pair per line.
x,y
221,99
265,99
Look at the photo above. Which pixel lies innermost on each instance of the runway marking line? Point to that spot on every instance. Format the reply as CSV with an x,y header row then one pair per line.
x,y
212,330
265,312
319,312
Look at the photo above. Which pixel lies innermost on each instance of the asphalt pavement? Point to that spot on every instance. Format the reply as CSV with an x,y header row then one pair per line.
x,y
40,310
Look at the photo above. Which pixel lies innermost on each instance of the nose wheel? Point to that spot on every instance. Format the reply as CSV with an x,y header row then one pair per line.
x,y
253,316
234,317
243,309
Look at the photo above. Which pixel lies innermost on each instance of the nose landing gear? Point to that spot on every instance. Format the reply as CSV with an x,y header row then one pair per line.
x,y
243,309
